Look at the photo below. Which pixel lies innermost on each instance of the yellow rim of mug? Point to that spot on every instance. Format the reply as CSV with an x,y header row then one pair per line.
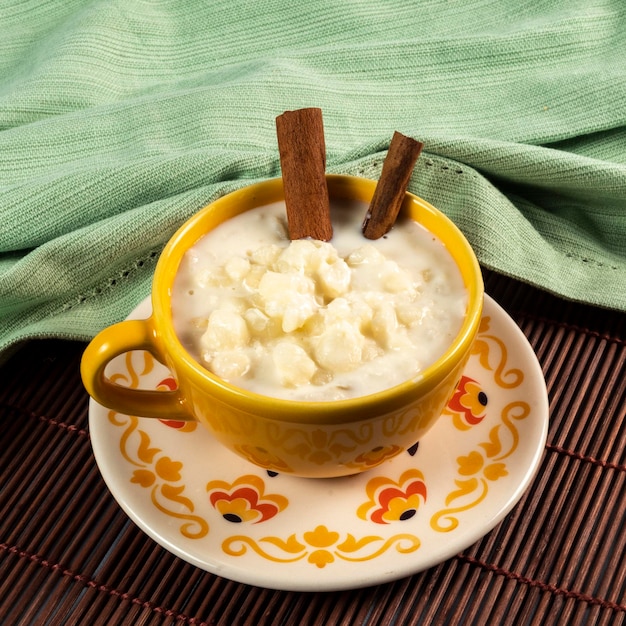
x,y
353,409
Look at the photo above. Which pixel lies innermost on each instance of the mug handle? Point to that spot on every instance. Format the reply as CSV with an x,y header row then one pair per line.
x,y
116,340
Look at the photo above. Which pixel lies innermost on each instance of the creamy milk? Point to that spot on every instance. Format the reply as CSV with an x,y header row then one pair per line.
x,y
310,320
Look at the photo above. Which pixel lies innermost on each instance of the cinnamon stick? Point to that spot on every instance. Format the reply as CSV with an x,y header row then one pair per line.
x,y
392,184
302,152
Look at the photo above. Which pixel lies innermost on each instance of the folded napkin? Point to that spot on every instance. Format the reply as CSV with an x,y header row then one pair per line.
x,y
119,119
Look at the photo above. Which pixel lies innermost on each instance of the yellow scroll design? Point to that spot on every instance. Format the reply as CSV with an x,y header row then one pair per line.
x,y
484,465
154,470
320,546
493,355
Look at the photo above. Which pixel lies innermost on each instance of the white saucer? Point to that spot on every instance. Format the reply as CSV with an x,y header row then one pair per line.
x,y
222,514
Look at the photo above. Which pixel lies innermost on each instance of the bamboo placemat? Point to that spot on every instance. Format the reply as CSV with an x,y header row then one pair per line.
x,y
69,555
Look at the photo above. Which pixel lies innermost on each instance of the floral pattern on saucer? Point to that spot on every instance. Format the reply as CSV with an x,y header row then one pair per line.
x,y
227,515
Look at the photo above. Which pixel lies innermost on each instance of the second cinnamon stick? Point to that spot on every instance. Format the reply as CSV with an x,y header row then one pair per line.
x,y
302,151
392,184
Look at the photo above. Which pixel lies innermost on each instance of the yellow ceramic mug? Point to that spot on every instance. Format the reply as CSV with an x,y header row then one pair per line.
x,y
316,439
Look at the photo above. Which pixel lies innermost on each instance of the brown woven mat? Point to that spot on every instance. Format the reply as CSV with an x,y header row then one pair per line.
x,y
69,555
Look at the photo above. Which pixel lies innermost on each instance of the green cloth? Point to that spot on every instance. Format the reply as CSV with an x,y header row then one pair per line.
x,y
121,118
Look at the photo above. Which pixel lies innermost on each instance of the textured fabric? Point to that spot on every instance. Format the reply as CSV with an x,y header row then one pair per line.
x,y
119,119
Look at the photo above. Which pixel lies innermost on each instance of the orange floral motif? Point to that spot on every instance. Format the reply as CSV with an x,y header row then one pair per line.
x,y
470,464
467,405
143,477
393,501
321,539
245,500
165,468
473,463
169,384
